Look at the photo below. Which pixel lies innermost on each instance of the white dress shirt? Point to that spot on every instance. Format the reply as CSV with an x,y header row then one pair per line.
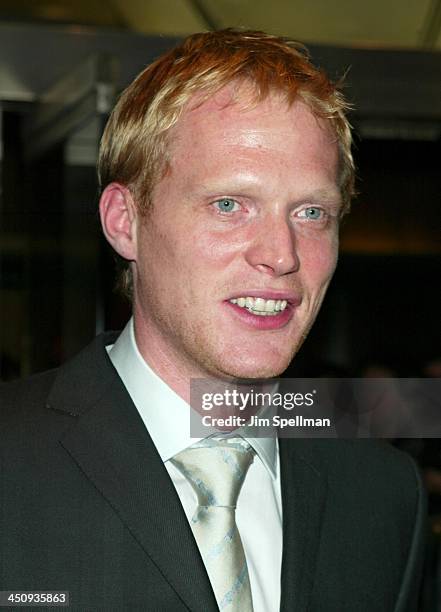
x,y
259,509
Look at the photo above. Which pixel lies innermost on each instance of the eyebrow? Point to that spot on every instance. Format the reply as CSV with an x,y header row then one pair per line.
x,y
325,193
333,196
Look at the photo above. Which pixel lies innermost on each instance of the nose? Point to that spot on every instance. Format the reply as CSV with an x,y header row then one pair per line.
x,y
273,249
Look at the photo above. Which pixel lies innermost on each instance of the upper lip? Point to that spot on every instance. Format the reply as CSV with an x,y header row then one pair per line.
x,y
269,294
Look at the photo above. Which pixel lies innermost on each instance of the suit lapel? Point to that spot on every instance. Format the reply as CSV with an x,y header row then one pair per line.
x,y
113,449
304,488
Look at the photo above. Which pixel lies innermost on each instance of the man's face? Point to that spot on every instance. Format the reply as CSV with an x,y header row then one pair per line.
x,y
245,221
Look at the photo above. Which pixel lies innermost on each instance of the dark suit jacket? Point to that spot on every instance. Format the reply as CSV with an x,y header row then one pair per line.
x,y
87,506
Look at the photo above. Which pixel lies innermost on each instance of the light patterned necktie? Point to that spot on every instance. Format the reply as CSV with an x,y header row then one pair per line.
x,y
216,469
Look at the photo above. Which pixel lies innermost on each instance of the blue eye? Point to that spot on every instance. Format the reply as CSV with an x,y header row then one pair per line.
x,y
313,212
226,205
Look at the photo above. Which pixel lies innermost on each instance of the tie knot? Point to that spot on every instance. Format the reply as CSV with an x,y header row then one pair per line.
x,y
216,469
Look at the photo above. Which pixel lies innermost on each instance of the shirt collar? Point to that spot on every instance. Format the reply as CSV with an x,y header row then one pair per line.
x,y
164,413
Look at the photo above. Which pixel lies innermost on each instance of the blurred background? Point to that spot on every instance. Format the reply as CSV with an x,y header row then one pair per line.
x,y
62,65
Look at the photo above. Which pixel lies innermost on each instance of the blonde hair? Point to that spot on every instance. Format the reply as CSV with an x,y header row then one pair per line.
x,y
134,146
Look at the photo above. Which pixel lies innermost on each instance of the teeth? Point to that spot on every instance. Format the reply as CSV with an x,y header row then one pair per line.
x,y
260,306
270,306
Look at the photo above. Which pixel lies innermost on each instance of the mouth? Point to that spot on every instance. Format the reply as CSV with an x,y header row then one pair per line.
x,y
264,310
266,303
260,306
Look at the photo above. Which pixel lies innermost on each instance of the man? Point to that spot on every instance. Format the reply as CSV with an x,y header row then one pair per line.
x,y
225,169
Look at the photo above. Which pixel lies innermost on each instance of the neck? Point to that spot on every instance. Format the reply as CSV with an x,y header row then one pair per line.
x,y
162,359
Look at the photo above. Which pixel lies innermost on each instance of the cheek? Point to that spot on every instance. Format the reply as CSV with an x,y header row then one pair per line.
x,y
218,248
156,266
318,261
187,262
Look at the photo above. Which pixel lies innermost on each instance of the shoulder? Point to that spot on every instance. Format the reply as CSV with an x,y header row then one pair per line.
x,y
27,400
19,397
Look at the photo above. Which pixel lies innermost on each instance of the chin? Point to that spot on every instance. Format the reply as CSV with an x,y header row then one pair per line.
x,y
256,370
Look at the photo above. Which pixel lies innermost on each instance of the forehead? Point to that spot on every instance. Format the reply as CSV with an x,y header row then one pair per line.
x,y
234,121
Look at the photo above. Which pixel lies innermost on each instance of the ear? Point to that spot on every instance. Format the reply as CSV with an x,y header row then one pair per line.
x,y
118,219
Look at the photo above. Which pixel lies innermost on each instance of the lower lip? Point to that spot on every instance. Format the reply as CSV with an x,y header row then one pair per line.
x,y
263,322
